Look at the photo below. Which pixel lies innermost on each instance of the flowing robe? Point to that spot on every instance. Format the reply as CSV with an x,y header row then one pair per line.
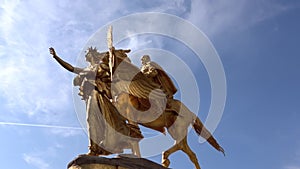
x,y
106,127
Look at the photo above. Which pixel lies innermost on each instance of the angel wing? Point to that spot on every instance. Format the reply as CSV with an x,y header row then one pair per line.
x,y
128,78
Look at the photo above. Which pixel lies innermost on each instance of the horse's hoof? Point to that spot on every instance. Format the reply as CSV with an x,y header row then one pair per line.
x,y
166,162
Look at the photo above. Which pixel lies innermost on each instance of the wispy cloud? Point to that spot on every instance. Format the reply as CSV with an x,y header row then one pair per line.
x,y
67,132
26,75
294,160
43,159
215,17
136,43
31,82
36,161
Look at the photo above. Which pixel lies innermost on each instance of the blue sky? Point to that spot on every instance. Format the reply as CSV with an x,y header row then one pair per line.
x,y
258,44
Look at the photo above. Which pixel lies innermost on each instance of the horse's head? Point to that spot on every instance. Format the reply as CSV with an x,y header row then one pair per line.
x,y
121,53
121,56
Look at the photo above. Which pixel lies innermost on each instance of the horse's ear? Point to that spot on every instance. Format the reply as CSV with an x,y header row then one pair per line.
x,y
127,50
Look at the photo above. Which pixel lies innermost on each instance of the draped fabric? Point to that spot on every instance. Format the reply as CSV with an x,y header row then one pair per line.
x,y
106,126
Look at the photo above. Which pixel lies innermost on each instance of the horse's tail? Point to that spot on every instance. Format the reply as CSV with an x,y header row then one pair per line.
x,y
202,131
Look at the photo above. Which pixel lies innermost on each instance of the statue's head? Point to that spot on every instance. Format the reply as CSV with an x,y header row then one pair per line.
x,y
93,56
90,54
145,59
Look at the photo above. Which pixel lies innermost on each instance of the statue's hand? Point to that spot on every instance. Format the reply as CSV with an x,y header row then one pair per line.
x,y
52,51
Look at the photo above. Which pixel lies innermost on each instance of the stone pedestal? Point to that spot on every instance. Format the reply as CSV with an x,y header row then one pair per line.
x,y
93,162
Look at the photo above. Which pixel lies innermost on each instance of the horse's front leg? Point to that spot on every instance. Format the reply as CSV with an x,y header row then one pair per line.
x,y
165,161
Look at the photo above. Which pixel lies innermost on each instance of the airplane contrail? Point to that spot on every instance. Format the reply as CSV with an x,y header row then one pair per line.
x,y
49,126
40,125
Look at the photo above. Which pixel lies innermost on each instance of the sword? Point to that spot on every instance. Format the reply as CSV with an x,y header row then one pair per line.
x,y
110,47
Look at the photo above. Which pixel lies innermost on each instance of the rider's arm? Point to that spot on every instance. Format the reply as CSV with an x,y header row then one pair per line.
x,y
64,64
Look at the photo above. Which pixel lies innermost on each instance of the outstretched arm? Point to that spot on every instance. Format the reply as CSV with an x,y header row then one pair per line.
x,y
64,64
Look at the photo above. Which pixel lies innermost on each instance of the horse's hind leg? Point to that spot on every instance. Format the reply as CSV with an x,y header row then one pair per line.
x,y
186,148
167,153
